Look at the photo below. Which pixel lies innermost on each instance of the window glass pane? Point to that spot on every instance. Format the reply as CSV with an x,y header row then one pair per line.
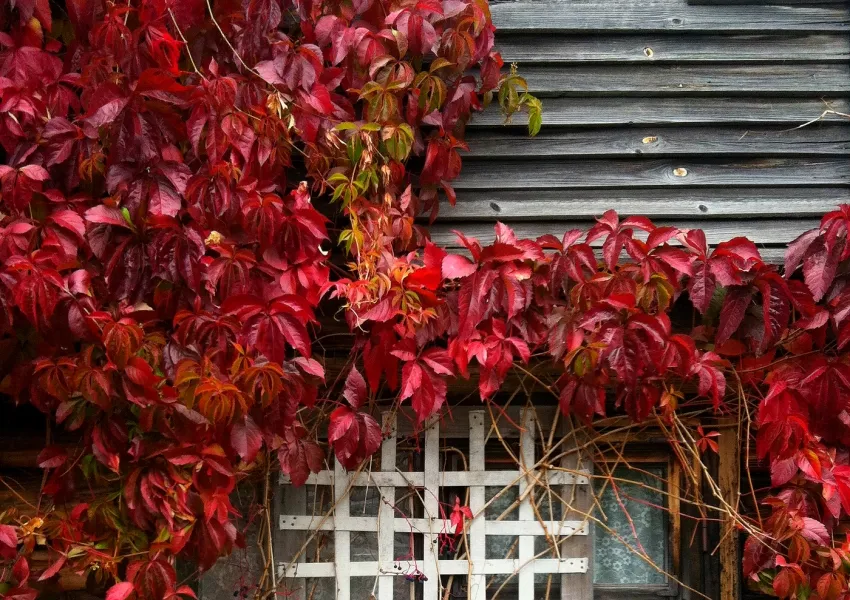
x,y
614,563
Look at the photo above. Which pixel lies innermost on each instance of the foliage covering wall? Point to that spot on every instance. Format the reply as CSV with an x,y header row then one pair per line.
x,y
163,264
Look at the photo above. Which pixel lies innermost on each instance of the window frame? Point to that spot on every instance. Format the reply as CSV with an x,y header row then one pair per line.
x,y
672,558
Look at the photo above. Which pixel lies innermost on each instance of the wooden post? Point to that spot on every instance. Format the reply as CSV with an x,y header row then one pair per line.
x,y
431,500
477,499
577,586
729,480
526,511
342,537
386,512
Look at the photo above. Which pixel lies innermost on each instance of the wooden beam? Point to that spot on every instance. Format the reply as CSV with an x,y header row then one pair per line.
x,y
785,79
706,110
548,173
655,15
660,141
664,203
729,469
641,48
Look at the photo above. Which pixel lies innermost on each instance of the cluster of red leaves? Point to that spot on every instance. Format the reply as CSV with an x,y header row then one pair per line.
x,y
161,268
161,264
607,323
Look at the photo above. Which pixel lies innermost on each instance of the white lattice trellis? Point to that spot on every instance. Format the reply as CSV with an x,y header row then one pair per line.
x,y
387,523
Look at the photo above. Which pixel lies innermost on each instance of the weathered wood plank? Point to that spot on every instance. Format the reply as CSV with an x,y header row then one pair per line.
x,y
342,538
569,173
641,47
760,231
530,527
729,482
787,79
477,541
525,582
833,3
816,139
386,512
432,587
493,566
580,501
694,111
516,205
649,15
476,477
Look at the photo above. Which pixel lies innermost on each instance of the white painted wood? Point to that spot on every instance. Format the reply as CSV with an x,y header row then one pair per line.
x,y
342,538
386,512
427,484
431,494
477,532
447,567
401,525
526,510
447,479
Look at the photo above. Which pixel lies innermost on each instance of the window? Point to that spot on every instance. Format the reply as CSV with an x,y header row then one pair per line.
x,y
636,545
385,532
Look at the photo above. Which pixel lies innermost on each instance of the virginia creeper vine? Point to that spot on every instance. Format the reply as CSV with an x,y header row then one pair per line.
x,y
163,266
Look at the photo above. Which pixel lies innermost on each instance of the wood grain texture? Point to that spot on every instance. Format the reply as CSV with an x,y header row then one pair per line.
x,y
816,139
568,173
710,203
728,479
658,15
648,48
787,79
673,110
827,3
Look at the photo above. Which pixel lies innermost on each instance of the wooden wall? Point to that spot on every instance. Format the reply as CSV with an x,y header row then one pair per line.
x,y
688,113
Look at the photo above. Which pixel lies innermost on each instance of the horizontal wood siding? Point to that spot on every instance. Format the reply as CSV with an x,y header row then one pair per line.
x,y
699,113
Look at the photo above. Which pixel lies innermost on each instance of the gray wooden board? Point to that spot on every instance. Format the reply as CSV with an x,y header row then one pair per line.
x,y
570,173
745,202
826,3
760,231
648,48
655,15
672,110
815,139
787,79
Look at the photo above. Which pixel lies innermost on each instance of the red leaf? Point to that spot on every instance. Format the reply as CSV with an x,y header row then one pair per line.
x,y
21,593
246,439
456,266
21,570
815,531
8,538
733,311
355,388
53,569
52,457
120,591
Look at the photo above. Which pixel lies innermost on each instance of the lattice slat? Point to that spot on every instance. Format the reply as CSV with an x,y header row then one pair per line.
x,y
386,512
477,499
431,525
